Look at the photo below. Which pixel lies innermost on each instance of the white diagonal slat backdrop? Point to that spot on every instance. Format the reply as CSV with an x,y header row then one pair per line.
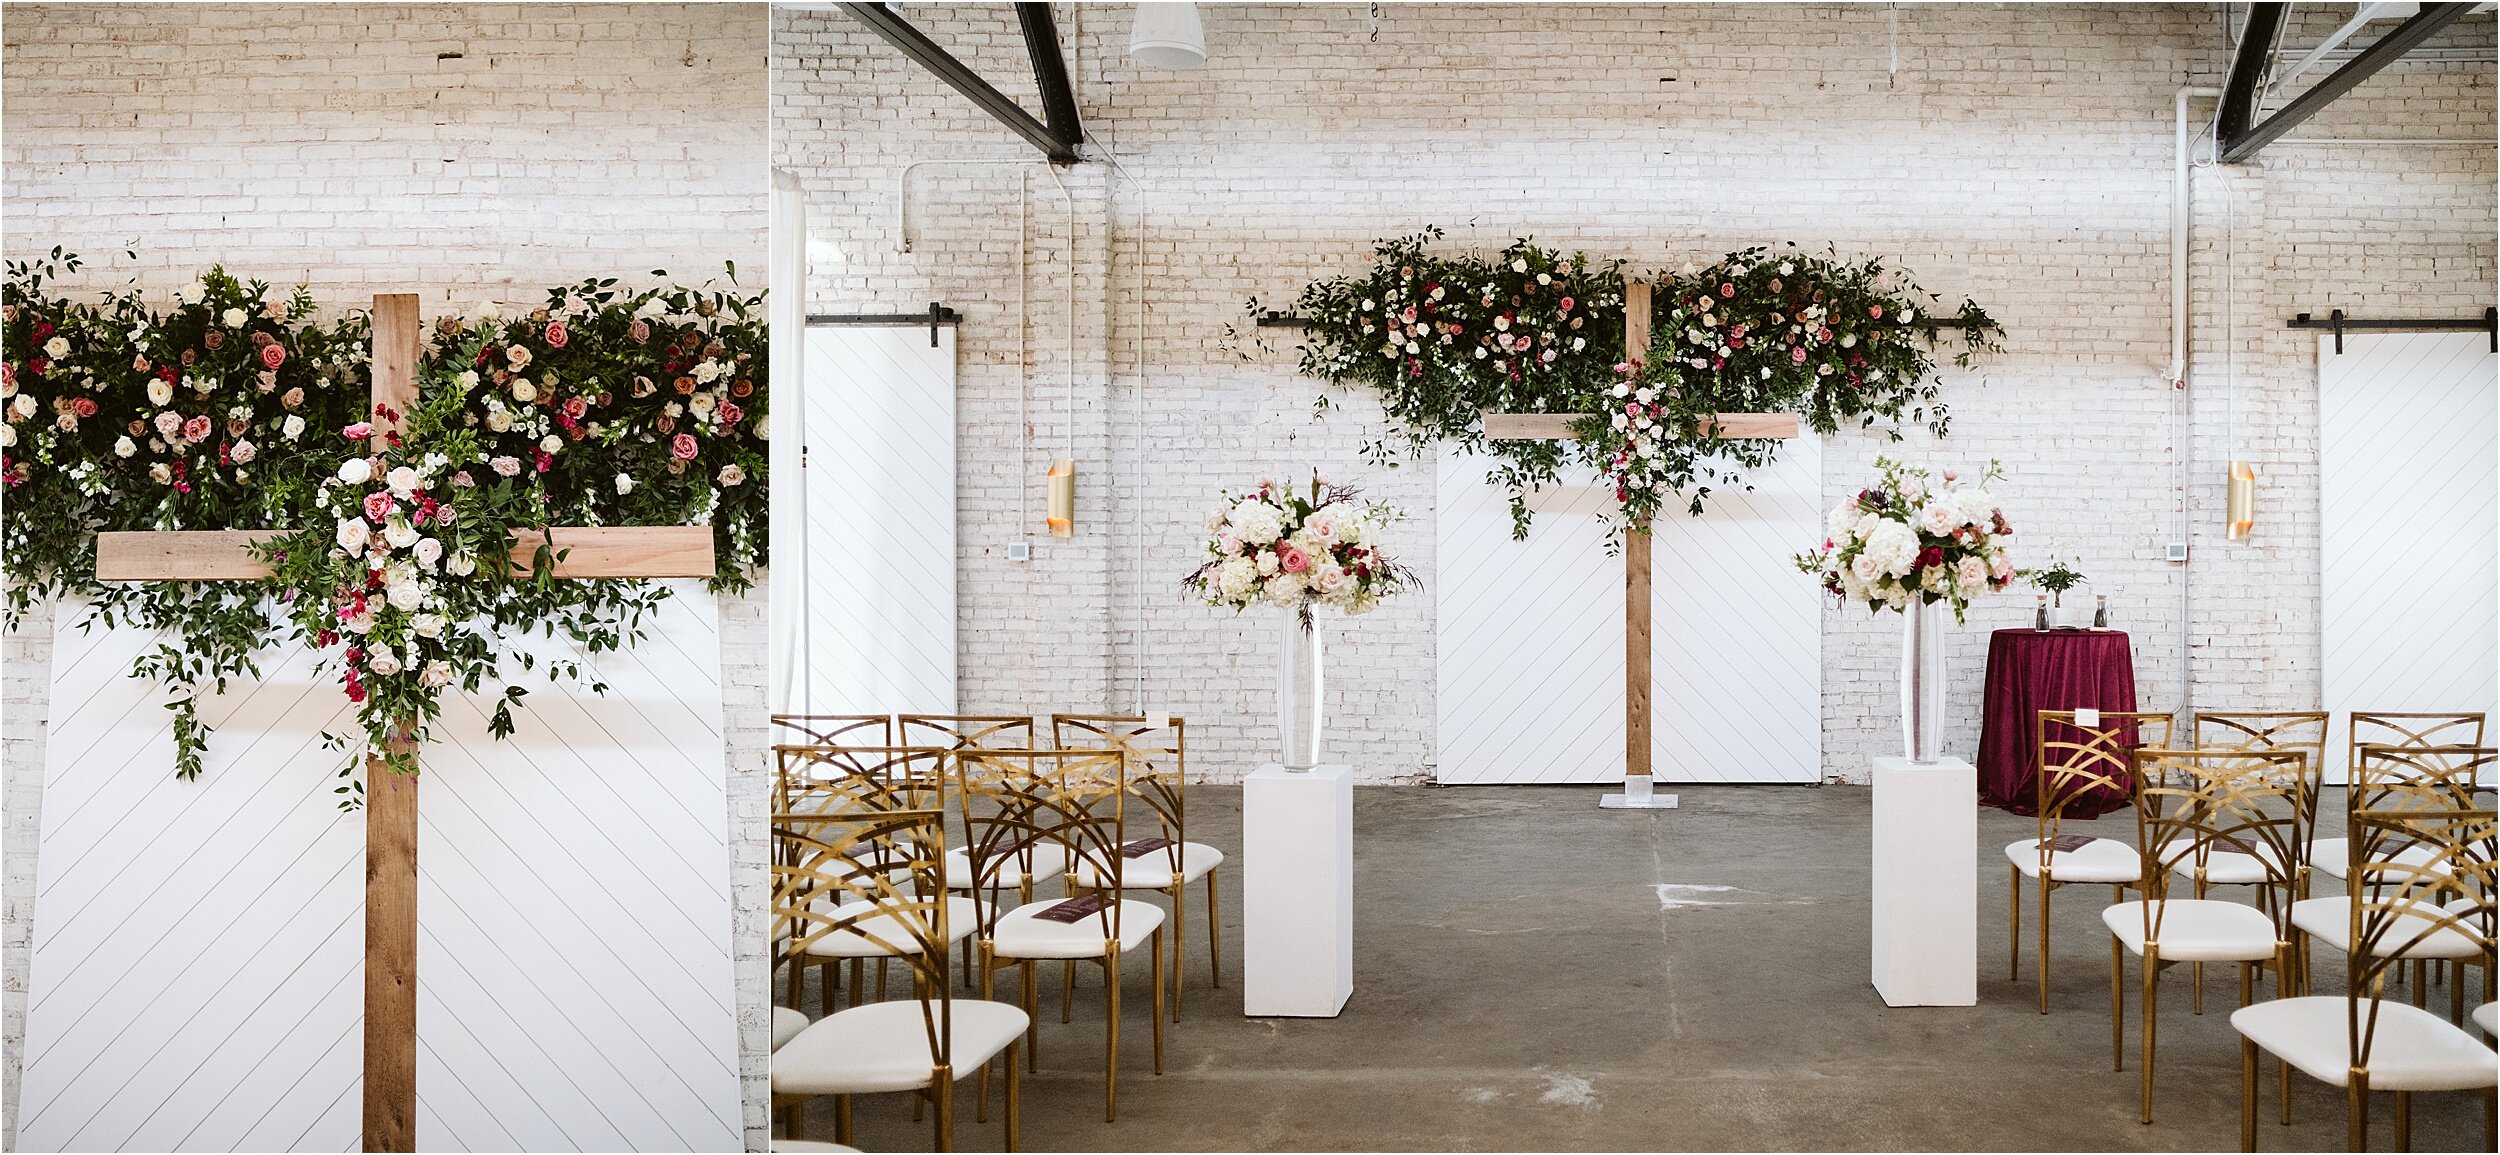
x,y
2409,526
879,592
198,973
1530,634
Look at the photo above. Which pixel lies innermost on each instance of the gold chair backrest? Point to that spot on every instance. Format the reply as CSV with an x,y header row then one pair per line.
x,y
2444,886
885,865
838,729
1014,801
810,778
2388,778
2191,804
2076,760
1158,763
2303,731
968,731
2387,728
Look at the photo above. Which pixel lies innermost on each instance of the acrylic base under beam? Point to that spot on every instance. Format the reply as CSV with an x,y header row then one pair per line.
x,y
1637,796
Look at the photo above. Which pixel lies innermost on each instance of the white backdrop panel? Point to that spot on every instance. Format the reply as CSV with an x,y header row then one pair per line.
x,y
198,969
2409,526
879,612
1530,634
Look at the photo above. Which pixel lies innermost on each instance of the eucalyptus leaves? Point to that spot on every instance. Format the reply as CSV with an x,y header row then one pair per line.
x,y
233,410
1444,339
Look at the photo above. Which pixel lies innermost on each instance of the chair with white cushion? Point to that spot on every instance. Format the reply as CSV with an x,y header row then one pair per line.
x,y
843,779
835,729
2392,780
2401,731
2079,765
2361,1040
923,1044
2190,804
1076,799
1031,863
1158,768
2296,731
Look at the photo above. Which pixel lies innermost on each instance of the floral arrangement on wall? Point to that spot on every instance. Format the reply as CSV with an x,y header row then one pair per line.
x,y
1445,339
234,409
1298,549
1909,538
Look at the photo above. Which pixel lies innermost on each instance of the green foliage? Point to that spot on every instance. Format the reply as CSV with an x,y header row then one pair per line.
x,y
234,409
2056,577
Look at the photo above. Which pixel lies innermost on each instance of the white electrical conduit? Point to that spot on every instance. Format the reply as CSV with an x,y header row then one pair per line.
x,y
1137,429
2181,401
786,277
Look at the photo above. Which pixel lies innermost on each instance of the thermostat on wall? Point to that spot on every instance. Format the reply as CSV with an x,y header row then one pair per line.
x,y
2177,551
1019,551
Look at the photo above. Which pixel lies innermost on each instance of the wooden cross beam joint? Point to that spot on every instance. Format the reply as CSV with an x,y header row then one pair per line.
x,y
390,1027
1636,549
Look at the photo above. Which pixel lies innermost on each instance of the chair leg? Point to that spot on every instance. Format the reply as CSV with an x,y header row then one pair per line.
x,y
1215,934
1180,940
2197,1002
2014,923
1032,1020
2117,1006
2045,887
2248,1094
842,1120
2404,1121
1067,989
1157,1016
2357,1112
1013,1104
1111,1059
944,1093
2152,1005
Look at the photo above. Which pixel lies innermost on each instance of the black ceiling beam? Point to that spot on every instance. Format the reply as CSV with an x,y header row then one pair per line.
x,y
2237,143
894,30
1050,72
2248,71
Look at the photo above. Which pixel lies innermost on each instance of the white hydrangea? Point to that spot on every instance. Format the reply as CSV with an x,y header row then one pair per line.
x,y
1843,519
1235,577
1894,547
1257,522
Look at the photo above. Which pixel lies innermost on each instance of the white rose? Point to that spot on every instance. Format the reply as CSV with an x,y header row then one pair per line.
x,y
352,534
437,674
122,447
731,475
1939,519
1268,564
1864,568
624,484
399,533
499,419
1971,573
292,427
407,596
382,661
467,380
161,473
403,482
428,551
191,292
243,452
24,406
427,625
235,318
701,404
1843,516
550,443
355,471
8,436
460,565
56,348
1520,265
160,391
523,391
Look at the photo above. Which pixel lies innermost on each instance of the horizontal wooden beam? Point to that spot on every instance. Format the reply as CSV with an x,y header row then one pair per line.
x,y
658,551
1557,426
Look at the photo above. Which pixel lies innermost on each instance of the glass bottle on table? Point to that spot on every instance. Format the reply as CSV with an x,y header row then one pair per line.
x,y
2040,615
2100,611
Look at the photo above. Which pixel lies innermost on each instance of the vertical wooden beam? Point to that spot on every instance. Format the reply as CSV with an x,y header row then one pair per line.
x,y
1636,543
390,1115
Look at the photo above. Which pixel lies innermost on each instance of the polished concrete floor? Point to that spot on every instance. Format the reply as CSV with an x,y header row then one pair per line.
x,y
1533,973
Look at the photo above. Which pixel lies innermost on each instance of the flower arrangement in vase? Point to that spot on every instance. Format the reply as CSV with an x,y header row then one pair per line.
x,y
2056,578
1297,550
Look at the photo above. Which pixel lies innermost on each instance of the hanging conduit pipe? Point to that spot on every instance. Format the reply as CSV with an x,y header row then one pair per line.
x,y
2183,145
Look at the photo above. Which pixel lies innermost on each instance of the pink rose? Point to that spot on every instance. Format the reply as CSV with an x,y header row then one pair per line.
x,y
273,355
83,406
638,331
683,447
1875,311
1292,560
729,413
197,429
1727,289
557,334
1566,304
1797,355
169,425
377,506
357,432
575,407
460,480
507,465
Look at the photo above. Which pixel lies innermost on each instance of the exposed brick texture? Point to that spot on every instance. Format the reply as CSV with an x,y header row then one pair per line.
x,y
2020,154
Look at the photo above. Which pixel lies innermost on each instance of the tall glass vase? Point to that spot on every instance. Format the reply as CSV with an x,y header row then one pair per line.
x,y
1298,690
1922,682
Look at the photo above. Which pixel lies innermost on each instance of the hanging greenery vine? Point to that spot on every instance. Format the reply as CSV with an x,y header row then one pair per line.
x,y
234,410
1444,339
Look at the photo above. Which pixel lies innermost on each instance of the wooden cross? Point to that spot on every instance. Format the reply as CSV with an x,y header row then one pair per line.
x,y
390,1075
1636,617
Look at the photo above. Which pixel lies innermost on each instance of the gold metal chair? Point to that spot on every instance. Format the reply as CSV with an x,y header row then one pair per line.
x,y
2076,762
967,731
1077,800
837,729
2298,731
825,889
2190,805
1157,776
2392,780
848,780
2400,731
2362,1041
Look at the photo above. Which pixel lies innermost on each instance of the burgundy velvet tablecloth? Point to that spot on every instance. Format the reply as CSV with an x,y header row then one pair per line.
x,y
2028,672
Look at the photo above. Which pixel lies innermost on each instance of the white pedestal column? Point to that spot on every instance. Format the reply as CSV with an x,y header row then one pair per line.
x,y
1297,878
1926,883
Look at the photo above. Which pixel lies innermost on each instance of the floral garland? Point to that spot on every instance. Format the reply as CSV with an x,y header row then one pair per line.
x,y
1441,339
1830,340
1906,538
1282,547
232,410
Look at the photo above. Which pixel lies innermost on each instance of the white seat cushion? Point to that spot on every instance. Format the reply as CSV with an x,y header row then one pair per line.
x,y
1050,860
808,1145
2487,1016
2411,1050
2333,856
1153,869
2196,930
1022,933
787,1024
963,917
2222,867
885,1047
2329,920
2100,860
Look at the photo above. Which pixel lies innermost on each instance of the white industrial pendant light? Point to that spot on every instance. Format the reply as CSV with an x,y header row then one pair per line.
x,y
1167,36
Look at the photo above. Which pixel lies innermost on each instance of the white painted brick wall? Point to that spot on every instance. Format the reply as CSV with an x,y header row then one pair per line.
x,y
469,153
2021,154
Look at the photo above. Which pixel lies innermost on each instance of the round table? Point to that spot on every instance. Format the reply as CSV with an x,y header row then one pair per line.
x,y
2030,671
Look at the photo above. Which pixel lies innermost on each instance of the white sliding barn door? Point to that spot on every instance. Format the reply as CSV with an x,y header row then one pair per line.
x,y
1530,634
198,976
2409,527
877,613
